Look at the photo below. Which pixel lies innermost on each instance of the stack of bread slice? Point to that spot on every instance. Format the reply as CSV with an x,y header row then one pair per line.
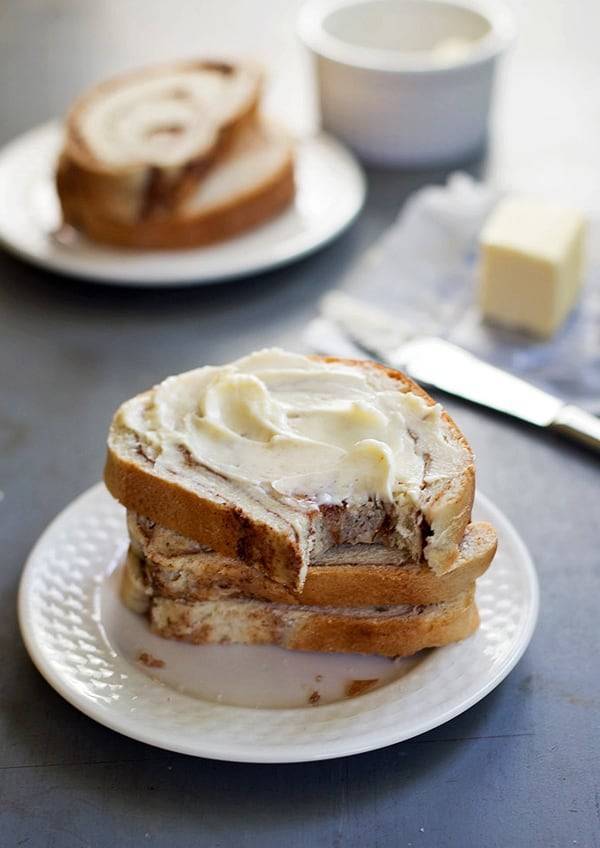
x,y
315,504
173,156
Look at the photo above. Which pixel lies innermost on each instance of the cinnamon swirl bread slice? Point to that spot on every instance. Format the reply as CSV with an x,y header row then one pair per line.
x,y
136,146
162,563
392,631
250,183
277,457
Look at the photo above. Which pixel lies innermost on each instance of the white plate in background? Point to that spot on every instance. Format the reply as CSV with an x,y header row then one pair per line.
x,y
240,703
330,194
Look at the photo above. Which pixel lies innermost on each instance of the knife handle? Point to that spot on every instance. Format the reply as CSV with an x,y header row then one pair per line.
x,y
578,425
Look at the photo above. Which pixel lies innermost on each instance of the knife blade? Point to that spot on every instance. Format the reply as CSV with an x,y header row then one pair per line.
x,y
451,369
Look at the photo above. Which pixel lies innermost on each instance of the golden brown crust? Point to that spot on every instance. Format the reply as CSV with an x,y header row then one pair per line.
x,y
217,525
404,637
241,213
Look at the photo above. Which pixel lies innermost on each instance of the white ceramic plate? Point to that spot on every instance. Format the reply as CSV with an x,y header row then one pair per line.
x,y
330,194
249,704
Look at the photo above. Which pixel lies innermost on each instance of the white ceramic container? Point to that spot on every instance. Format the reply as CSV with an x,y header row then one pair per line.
x,y
407,82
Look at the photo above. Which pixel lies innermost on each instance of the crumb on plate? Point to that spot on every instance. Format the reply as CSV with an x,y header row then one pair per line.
x,y
358,687
314,698
149,661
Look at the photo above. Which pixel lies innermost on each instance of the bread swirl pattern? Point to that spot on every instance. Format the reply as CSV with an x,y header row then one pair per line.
x,y
138,144
392,631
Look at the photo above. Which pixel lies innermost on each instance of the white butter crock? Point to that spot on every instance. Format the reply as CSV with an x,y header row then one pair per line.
x,y
386,92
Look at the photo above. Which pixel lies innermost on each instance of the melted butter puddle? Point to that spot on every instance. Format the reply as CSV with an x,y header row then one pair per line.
x,y
242,675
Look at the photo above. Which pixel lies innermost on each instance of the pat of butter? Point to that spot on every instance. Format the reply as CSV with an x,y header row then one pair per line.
x,y
531,264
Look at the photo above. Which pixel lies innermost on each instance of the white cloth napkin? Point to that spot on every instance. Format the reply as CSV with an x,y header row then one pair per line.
x,y
424,269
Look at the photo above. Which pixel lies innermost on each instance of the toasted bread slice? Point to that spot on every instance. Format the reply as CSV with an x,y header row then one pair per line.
x,y
136,146
250,183
392,631
281,534
165,564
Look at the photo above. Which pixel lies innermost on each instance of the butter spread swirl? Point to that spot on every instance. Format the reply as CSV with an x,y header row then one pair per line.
x,y
304,429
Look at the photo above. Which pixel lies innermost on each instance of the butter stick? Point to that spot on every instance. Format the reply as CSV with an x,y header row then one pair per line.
x,y
532,260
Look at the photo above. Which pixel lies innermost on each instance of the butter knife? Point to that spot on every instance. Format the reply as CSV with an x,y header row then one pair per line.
x,y
447,367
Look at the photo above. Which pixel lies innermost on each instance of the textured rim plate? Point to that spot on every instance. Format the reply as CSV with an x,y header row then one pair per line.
x,y
67,636
330,194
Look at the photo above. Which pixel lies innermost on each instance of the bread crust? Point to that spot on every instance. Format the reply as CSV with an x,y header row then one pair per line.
x,y
227,530
175,232
314,629
219,525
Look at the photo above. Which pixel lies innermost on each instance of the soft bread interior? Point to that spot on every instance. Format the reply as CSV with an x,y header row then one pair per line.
x,y
258,154
161,117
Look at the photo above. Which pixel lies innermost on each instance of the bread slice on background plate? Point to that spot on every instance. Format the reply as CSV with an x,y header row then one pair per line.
x,y
164,564
250,183
276,458
136,145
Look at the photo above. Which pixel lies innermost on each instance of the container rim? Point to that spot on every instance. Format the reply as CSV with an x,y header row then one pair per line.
x,y
311,30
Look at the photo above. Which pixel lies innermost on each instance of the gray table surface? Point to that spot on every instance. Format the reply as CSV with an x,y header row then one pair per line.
x,y
520,768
